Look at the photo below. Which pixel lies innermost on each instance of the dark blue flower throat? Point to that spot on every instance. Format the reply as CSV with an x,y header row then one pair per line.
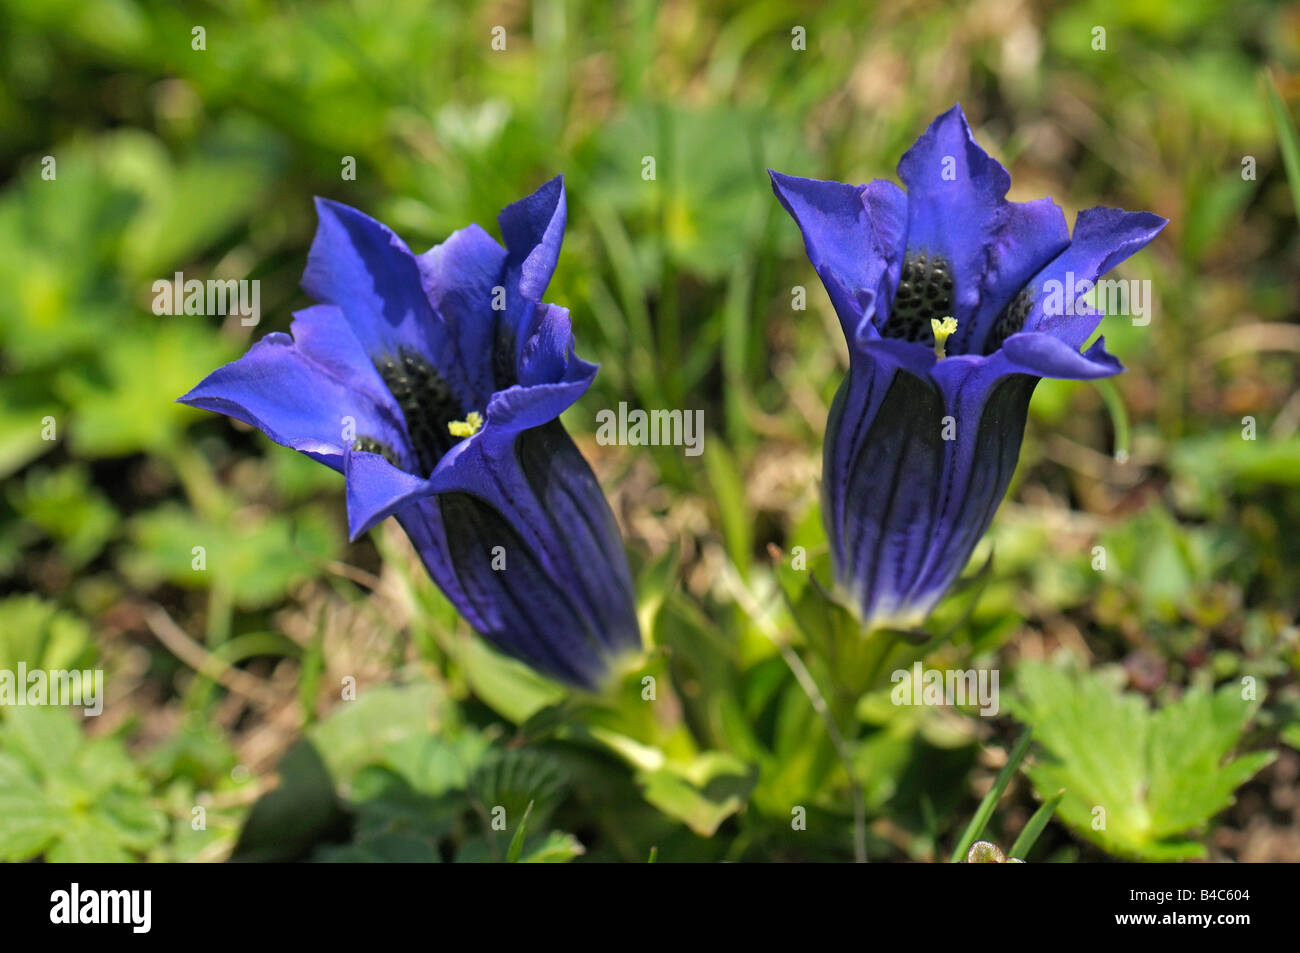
x,y
925,291
428,406
1010,321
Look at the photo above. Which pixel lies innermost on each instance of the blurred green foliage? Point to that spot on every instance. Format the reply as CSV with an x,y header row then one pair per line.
x,y
129,154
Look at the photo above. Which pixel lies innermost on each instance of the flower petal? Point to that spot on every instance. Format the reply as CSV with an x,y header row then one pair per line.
x,y
525,610
302,391
566,491
957,210
955,196
533,229
987,410
1044,355
459,278
887,501
376,490
368,273
854,238
1030,234
1103,237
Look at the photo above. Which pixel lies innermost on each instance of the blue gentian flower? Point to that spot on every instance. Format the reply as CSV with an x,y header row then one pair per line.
x,y
946,296
433,383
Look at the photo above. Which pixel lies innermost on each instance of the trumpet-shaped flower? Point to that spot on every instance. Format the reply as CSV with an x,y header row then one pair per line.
x,y
950,298
434,383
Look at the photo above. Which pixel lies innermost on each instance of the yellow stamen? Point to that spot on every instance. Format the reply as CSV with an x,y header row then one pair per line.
x,y
942,331
471,425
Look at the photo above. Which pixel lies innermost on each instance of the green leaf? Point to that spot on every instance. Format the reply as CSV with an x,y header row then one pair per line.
x,y
69,798
557,847
523,781
188,206
66,506
144,370
729,492
253,556
507,686
22,420
357,733
41,635
437,764
390,848
701,794
1139,783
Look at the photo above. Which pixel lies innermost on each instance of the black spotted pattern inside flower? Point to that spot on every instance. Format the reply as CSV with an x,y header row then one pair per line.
x,y
1010,321
428,406
925,291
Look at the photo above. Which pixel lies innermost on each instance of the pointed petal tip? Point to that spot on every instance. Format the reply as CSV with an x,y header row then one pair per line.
x,y
549,196
355,532
954,111
533,231
1102,357
333,206
953,114
1105,217
1044,355
949,137
799,193
371,492
197,396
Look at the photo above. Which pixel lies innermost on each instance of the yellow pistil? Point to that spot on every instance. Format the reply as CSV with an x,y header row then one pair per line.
x,y
942,331
471,425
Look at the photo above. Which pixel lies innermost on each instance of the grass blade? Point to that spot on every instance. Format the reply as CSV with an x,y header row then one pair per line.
x,y
1025,842
977,823
1118,416
1288,140
516,848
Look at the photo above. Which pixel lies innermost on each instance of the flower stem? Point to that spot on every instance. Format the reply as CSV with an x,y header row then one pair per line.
x,y
818,701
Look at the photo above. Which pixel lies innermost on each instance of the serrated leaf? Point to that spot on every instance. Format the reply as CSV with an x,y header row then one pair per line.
x,y
66,505
1159,776
389,848
68,798
521,780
